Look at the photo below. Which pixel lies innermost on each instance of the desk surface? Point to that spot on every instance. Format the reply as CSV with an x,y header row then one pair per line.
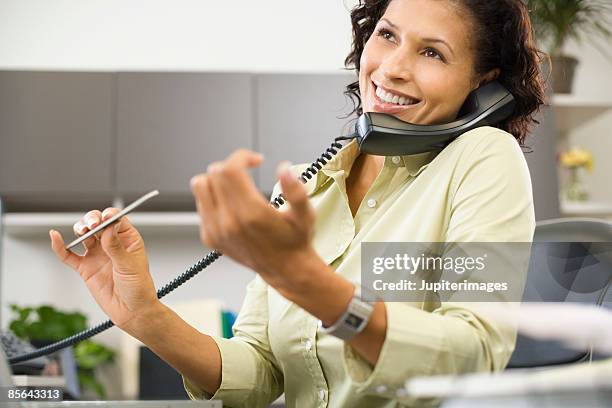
x,y
570,399
122,404
39,381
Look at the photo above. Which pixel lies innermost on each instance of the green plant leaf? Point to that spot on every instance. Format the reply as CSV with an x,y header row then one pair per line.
x,y
90,354
556,21
88,380
20,329
47,323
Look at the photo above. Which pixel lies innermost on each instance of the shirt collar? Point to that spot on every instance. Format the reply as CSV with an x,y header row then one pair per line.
x,y
415,163
343,160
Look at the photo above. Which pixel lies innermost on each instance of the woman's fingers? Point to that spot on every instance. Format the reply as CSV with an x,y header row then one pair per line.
x,y
213,203
89,221
233,187
92,219
206,206
124,231
67,257
301,211
243,158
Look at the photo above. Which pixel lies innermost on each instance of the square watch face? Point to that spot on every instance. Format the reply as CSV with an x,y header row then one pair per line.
x,y
353,320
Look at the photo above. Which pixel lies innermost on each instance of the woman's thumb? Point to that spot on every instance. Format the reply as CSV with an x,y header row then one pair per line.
x,y
111,244
294,192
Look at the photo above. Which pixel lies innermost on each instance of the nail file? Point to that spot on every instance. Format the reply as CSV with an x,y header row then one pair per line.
x,y
114,218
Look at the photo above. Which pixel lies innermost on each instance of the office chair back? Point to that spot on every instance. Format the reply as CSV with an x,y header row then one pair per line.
x,y
571,261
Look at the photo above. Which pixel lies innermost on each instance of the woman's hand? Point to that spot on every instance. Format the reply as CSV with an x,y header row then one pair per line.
x,y
238,221
114,267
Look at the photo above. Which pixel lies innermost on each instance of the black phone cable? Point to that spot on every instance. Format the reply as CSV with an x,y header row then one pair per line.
x,y
202,264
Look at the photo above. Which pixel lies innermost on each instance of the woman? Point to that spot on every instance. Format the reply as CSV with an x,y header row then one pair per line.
x,y
417,60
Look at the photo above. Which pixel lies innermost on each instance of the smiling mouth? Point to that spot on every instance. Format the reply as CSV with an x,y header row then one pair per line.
x,y
393,99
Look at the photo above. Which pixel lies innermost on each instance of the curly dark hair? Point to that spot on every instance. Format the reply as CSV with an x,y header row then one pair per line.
x,y
503,38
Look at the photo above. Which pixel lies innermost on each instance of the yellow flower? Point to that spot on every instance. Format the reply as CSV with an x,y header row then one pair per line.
x,y
577,157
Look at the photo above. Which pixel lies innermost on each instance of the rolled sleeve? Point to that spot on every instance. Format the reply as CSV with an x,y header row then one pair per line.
x,y
450,340
250,376
401,355
247,379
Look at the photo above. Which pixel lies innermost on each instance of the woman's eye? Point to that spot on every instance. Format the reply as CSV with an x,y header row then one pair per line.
x,y
384,33
432,53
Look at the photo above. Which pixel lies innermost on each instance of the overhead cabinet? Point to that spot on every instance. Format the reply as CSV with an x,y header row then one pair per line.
x,y
298,117
170,126
74,140
55,138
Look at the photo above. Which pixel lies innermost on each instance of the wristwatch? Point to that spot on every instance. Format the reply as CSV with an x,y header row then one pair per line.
x,y
353,320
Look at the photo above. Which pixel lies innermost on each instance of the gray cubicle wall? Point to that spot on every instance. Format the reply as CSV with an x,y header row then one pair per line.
x,y
74,140
170,126
298,118
55,139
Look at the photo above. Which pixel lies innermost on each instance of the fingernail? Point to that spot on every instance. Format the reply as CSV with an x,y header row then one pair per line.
x,y
116,227
51,231
283,166
90,222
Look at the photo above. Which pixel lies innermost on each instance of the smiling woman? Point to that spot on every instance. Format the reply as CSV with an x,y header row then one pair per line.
x,y
434,53
303,329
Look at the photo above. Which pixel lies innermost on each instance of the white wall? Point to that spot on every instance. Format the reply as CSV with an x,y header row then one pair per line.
x,y
593,81
237,35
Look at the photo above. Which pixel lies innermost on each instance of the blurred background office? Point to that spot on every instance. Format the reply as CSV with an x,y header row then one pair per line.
x,y
103,100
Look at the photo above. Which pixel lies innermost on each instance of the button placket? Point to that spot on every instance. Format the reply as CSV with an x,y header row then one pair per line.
x,y
311,359
370,199
321,394
381,389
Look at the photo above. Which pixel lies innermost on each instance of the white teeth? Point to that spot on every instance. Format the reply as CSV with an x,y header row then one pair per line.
x,y
395,99
377,92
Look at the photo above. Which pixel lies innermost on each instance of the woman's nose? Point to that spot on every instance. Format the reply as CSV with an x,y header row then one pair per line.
x,y
397,64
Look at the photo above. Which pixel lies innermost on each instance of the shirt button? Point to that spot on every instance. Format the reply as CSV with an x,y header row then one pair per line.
x,y
322,394
395,159
371,203
381,389
308,344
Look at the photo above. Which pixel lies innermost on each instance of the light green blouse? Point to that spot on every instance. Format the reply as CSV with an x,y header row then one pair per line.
x,y
477,189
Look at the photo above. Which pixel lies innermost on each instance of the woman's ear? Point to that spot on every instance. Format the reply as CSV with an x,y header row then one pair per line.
x,y
489,76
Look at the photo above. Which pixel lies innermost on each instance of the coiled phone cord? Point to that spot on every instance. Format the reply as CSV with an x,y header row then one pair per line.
x,y
202,264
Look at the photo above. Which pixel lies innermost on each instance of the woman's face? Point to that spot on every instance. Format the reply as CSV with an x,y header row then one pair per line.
x,y
418,64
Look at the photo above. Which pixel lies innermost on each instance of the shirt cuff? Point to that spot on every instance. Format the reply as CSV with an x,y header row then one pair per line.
x,y
407,351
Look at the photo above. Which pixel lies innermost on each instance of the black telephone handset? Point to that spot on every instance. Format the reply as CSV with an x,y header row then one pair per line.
x,y
385,135
378,134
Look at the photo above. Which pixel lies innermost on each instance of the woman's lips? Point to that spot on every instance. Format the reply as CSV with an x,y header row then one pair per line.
x,y
378,105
